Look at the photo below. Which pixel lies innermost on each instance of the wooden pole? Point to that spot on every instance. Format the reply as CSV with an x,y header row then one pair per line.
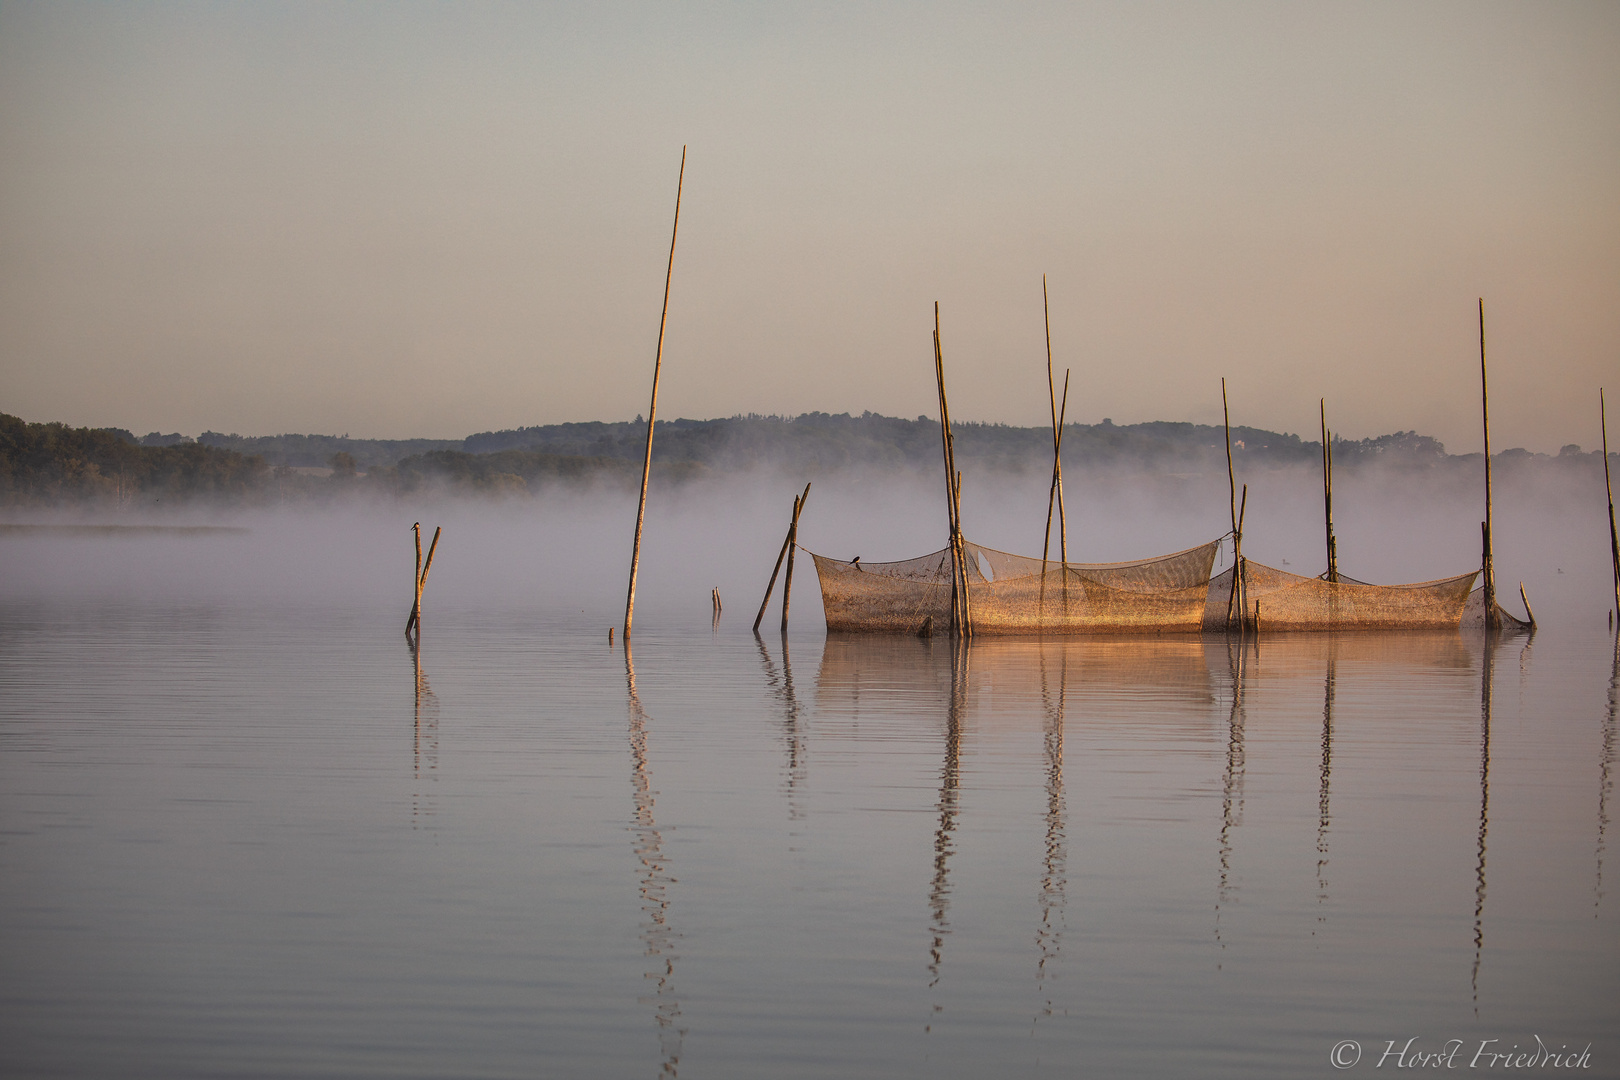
x,y
798,504
1493,618
1051,397
1240,575
652,409
1058,416
793,549
1235,599
1063,517
960,610
1614,539
1327,496
961,546
950,473
427,567
416,582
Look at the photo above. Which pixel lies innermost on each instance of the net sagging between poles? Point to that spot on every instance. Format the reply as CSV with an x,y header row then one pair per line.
x,y
1284,601
1016,594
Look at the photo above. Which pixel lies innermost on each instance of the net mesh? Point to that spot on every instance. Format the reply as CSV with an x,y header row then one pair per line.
x,y
1287,601
1015,594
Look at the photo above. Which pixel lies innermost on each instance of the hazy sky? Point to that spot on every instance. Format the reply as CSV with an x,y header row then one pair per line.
x,y
422,219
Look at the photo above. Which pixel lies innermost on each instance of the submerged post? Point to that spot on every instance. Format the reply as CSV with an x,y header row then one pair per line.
x,y
652,410
1327,496
1614,539
1493,618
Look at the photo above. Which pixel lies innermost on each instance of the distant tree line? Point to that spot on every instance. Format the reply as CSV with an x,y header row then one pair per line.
x,y
52,463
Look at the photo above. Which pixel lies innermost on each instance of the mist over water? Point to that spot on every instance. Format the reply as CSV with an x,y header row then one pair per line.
x,y
565,552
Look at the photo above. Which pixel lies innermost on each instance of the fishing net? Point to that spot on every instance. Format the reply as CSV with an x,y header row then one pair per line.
x,y
1015,594
1284,601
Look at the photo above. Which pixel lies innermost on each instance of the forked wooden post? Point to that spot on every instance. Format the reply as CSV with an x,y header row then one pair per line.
x,y
1327,496
1614,538
1493,618
652,410
798,505
415,620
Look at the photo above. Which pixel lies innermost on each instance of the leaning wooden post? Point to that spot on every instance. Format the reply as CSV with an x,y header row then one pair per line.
x,y
960,611
1055,494
798,505
1327,496
1493,618
1235,599
792,549
652,410
427,567
1063,515
950,472
1614,539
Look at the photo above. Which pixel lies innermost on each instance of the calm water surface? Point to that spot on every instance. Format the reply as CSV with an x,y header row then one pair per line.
x,y
262,840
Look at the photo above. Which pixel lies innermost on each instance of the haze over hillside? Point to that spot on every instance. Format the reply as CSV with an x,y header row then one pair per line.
x,y
44,464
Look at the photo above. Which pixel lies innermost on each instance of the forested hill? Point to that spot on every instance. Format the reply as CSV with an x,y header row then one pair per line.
x,y
45,464
825,441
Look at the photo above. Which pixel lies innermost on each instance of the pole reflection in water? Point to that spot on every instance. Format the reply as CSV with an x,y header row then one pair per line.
x,y
1322,814
792,733
1054,867
1493,639
939,892
657,937
1232,782
424,737
1606,770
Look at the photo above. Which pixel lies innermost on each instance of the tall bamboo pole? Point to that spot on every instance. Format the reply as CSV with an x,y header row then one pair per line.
x,y
1614,539
1327,496
1493,618
652,409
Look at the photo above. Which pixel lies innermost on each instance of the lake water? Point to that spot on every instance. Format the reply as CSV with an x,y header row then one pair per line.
x,y
245,831
271,840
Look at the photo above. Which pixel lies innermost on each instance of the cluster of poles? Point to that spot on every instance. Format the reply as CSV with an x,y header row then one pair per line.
x,y
1239,614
